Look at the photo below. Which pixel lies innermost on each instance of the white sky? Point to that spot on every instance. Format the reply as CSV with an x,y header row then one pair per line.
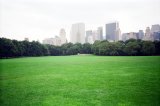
x,y
39,19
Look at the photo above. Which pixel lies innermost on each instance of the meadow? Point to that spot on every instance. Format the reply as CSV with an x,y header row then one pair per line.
x,y
80,81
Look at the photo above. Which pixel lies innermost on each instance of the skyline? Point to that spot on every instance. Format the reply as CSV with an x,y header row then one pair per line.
x,y
44,18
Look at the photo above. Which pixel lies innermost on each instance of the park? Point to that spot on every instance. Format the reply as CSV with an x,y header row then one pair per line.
x,y
80,80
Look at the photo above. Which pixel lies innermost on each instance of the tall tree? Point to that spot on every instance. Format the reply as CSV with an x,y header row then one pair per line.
x,y
148,48
131,48
87,48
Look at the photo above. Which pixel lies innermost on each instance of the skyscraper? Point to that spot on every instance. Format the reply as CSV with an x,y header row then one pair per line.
x,y
94,35
155,28
78,33
112,31
156,36
88,34
140,34
155,31
62,35
100,33
148,36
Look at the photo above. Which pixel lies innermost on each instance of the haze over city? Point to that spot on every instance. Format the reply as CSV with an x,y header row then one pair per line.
x,y
80,52
40,19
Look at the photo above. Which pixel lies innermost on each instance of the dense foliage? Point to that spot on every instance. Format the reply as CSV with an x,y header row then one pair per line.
x,y
132,47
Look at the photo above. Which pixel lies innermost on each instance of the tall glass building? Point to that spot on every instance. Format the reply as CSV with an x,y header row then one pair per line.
x,y
112,31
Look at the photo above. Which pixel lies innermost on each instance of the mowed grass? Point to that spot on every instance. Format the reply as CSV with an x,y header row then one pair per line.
x,y
80,81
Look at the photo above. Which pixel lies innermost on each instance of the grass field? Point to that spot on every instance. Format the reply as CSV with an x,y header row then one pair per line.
x,y
80,81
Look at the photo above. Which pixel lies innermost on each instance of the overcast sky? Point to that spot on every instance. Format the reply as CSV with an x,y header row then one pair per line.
x,y
39,19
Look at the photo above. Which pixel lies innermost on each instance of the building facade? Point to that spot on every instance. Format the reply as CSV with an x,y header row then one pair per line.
x,y
140,34
78,33
52,41
57,41
155,31
148,35
156,36
155,28
49,41
95,35
62,35
100,33
130,35
88,34
112,31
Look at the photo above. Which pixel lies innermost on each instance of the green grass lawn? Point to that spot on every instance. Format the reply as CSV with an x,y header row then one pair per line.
x,y
80,81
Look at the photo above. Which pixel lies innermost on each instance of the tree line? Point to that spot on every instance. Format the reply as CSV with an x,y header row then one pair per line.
x,y
13,48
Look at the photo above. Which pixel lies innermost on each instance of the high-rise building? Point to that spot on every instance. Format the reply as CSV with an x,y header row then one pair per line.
x,y
112,31
155,28
78,33
130,35
140,34
133,35
52,41
156,36
100,33
155,31
62,35
88,34
148,36
94,35
118,34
